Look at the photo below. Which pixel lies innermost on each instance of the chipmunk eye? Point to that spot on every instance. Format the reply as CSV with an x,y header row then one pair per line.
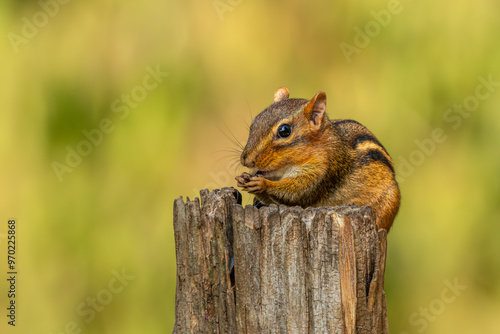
x,y
284,131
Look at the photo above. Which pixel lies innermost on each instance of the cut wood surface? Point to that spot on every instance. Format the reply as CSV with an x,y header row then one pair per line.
x,y
277,269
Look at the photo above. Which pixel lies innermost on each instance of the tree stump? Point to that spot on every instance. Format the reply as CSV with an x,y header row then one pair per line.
x,y
277,269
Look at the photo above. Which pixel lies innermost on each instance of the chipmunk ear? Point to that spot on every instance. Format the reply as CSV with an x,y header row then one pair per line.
x,y
281,94
314,111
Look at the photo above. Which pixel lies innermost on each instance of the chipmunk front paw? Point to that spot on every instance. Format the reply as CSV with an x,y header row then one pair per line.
x,y
252,183
243,179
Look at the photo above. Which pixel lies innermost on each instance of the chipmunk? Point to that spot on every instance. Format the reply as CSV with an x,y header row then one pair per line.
x,y
298,156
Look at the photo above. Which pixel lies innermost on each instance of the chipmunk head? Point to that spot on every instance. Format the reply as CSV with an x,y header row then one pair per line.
x,y
279,143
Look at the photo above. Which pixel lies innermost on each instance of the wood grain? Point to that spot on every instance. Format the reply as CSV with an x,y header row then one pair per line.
x,y
277,269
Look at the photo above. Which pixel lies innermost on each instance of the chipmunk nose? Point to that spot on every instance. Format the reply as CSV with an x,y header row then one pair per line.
x,y
245,161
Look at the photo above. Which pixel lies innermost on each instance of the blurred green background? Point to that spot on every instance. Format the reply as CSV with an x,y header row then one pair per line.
x,y
66,66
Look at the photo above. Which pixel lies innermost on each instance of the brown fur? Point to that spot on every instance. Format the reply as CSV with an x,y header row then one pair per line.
x,y
331,162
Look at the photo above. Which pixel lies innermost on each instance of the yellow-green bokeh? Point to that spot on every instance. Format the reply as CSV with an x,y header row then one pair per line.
x,y
114,210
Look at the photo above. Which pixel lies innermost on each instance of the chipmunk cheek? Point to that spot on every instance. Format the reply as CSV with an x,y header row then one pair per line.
x,y
262,160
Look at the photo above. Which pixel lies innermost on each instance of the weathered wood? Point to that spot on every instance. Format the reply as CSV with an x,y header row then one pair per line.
x,y
277,269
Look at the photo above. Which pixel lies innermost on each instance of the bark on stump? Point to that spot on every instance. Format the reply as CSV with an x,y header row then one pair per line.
x,y
277,269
